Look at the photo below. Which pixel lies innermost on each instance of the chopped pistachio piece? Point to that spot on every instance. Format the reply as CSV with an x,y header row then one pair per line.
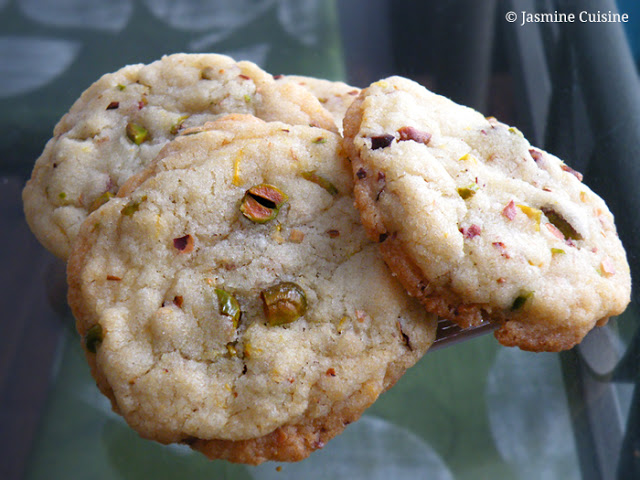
x,y
533,213
283,303
132,207
471,231
236,169
520,300
573,172
607,268
515,131
296,236
247,98
176,127
120,87
561,224
93,338
184,244
262,203
231,348
101,200
557,251
137,133
320,140
411,133
382,141
228,306
553,230
509,210
469,191
321,181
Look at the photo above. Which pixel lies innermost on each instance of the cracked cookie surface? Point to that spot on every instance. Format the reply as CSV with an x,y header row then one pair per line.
x,y
335,96
172,352
480,225
121,122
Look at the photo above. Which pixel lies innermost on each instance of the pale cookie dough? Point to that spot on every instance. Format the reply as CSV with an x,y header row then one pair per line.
x,y
336,97
480,225
147,264
123,120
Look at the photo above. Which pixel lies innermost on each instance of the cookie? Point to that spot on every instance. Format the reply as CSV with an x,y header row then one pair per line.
x,y
478,224
123,120
336,97
233,299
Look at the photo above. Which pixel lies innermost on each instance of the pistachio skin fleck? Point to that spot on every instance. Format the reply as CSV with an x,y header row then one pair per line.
x,y
261,203
228,306
93,338
283,303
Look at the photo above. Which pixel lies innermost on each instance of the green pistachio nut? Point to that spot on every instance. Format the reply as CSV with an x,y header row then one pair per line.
x,y
283,303
561,224
468,191
228,306
520,300
93,338
262,203
137,133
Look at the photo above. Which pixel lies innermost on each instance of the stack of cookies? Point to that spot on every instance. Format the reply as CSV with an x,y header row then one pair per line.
x,y
247,280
